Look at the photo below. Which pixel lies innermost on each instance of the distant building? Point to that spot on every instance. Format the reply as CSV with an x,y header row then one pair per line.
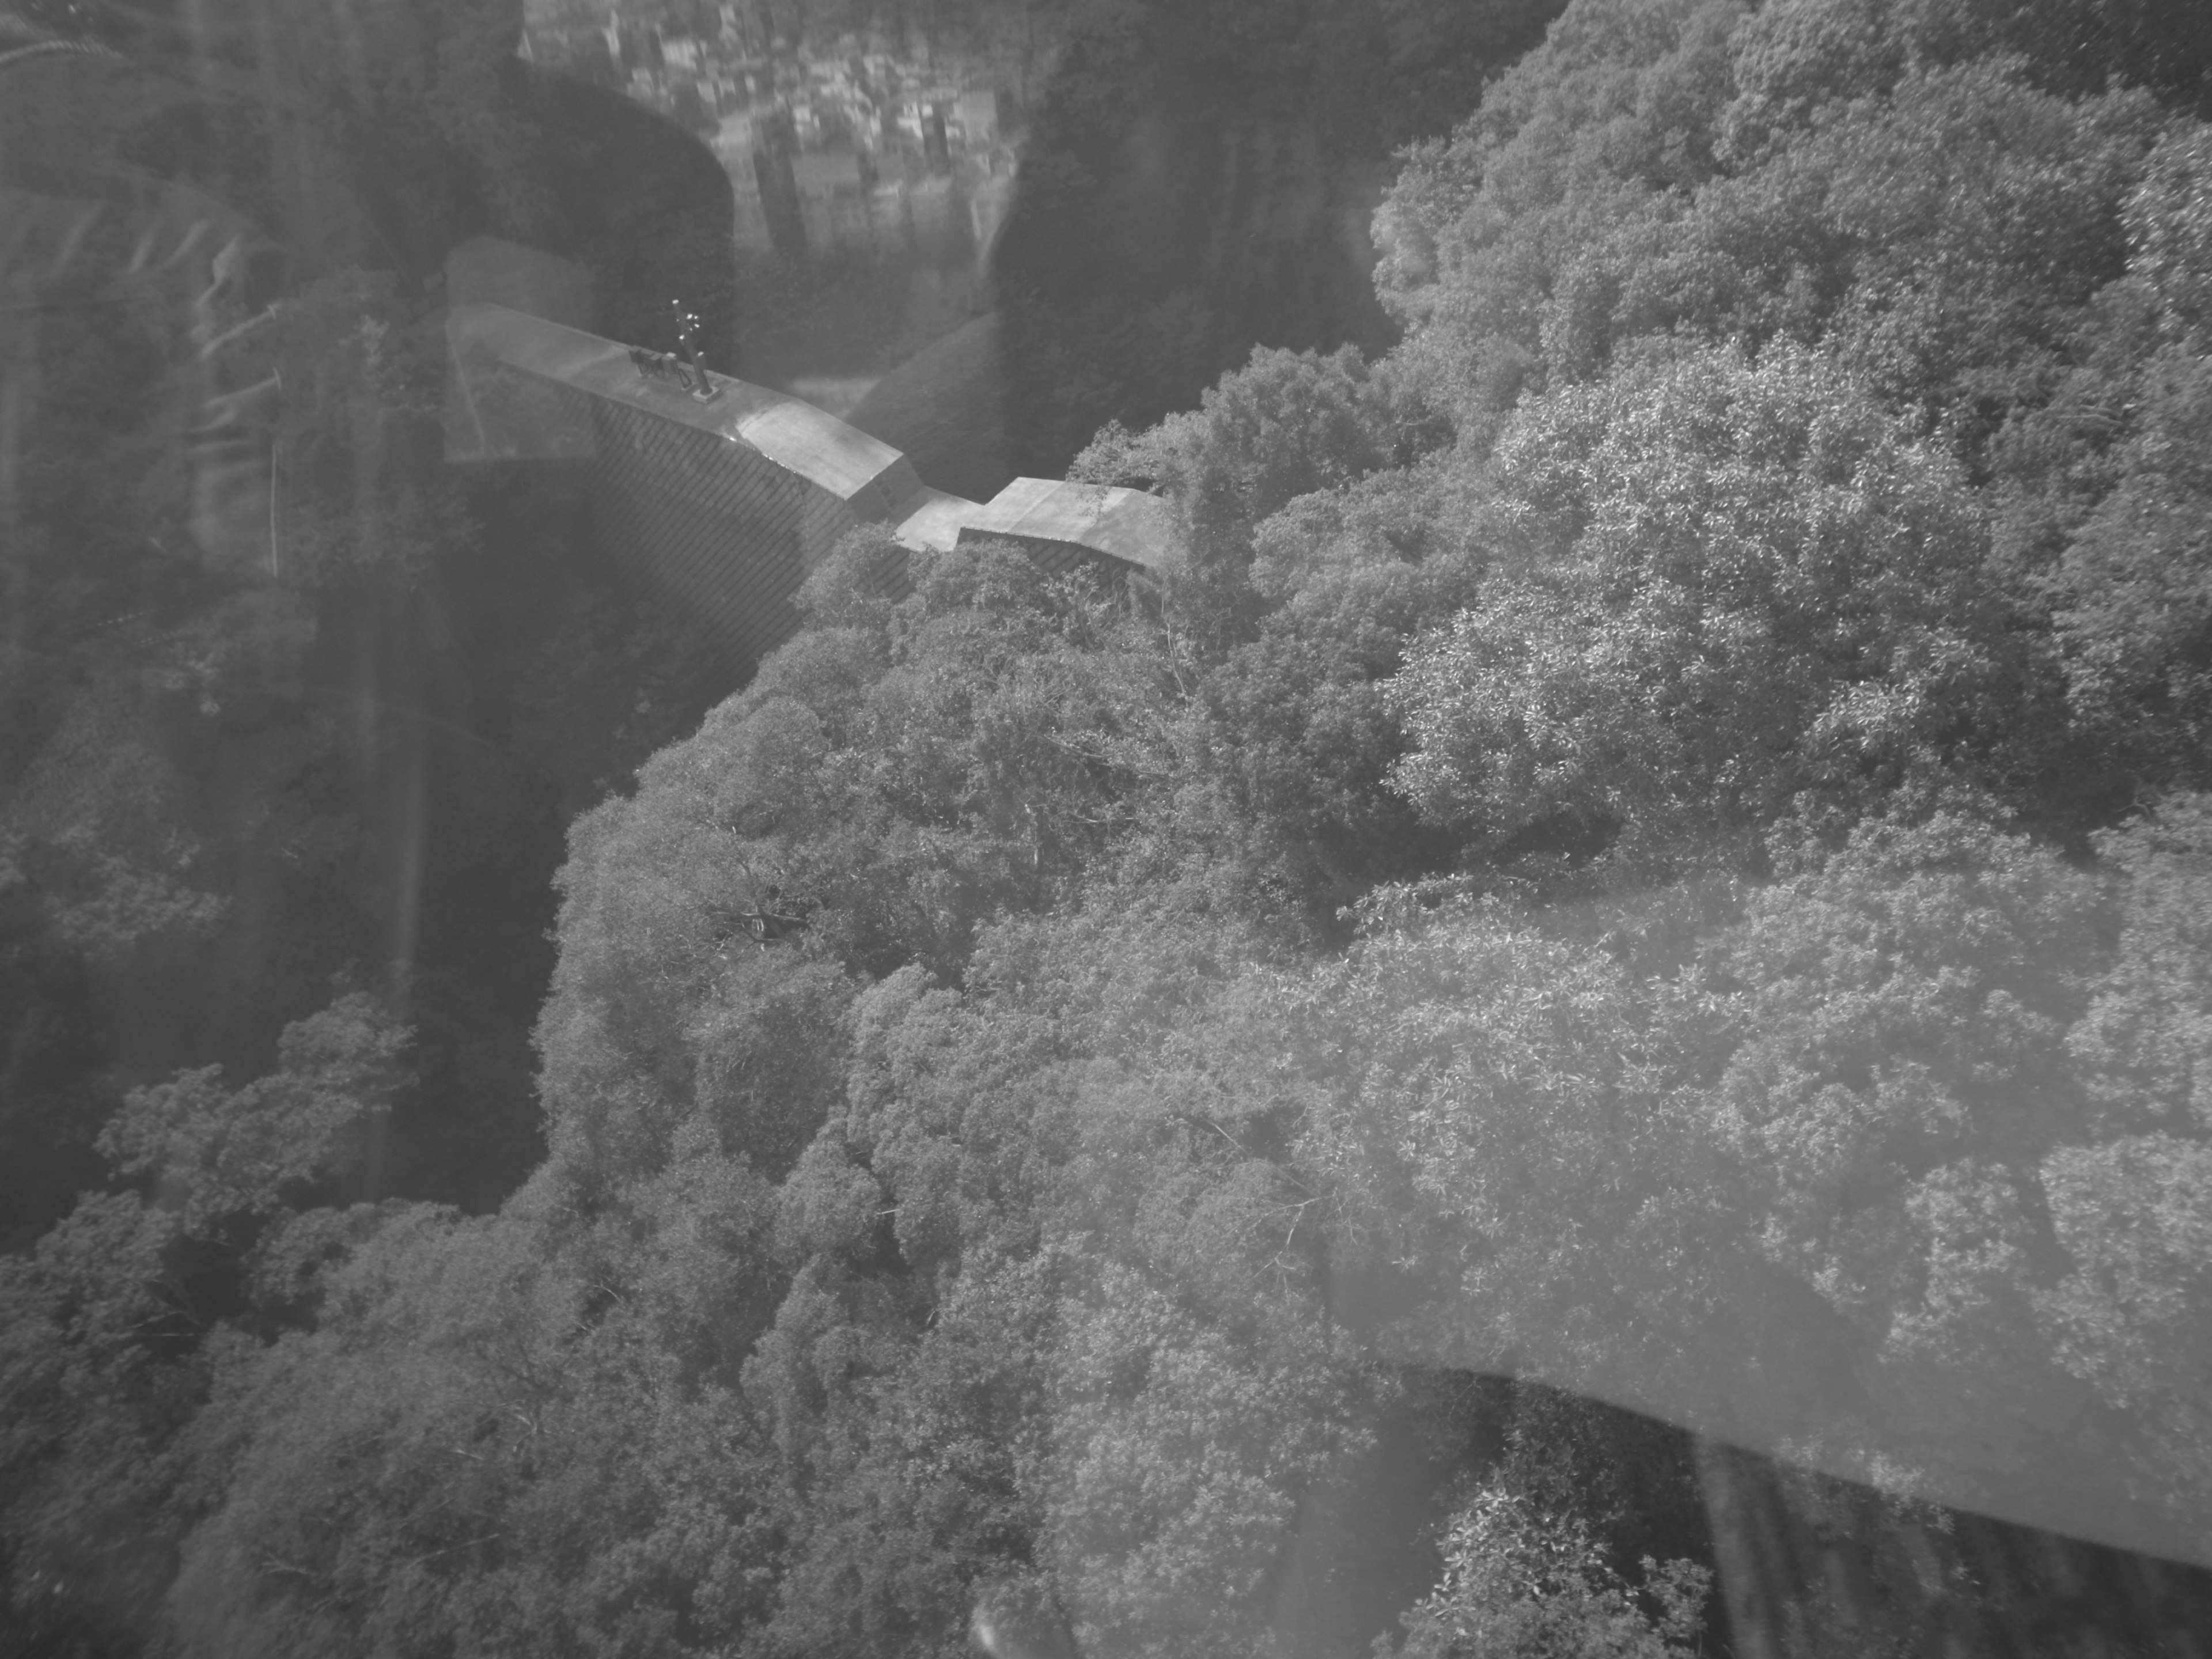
x,y
976,115
733,137
776,186
687,105
927,205
633,48
827,172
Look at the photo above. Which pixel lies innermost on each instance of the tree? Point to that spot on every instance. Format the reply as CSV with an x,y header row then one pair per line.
x,y
1281,426
1517,1581
1716,584
115,1321
1806,52
1869,178
1942,240
1609,123
2131,1316
892,779
2114,505
217,1153
1180,1452
92,1409
490,1437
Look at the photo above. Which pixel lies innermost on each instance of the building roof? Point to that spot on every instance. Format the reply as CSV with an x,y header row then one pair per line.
x,y
1127,524
934,522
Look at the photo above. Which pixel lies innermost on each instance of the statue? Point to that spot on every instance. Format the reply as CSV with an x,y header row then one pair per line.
x,y
685,373
687,337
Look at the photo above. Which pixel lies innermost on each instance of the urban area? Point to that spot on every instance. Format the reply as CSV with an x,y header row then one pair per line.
x,y
830,141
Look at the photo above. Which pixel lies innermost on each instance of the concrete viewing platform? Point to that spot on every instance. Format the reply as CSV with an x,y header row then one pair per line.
x,y
791,434
724,503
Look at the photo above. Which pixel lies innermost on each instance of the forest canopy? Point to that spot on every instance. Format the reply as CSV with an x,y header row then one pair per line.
x,y
1640,884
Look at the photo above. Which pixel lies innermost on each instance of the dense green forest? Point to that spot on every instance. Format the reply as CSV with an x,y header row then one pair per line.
x,y
1642,885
